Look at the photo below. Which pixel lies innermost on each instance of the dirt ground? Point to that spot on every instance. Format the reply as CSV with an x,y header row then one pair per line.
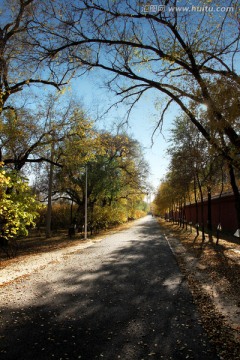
x,y
213,274
37,243
212,271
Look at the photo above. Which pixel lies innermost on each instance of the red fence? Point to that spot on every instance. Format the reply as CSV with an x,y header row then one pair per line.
x,y
222,209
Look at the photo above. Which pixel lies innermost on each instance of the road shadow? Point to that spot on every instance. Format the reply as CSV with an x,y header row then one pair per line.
x,y
127,301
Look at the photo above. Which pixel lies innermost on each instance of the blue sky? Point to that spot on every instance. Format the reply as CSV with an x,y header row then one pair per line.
x,y
95,98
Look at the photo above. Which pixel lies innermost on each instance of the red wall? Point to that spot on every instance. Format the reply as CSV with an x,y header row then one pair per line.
x,y
223,211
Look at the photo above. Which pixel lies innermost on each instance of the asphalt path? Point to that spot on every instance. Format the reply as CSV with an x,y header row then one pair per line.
x,y
123,297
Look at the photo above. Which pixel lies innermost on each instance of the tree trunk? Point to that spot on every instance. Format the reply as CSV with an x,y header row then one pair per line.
x,y
196,206
235,192
209,221
219,227
49,205
202,209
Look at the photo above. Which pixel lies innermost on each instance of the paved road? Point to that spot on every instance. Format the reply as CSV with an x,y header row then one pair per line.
x,y
121,298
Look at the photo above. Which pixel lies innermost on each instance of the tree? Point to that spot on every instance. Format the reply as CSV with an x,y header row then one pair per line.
x,y
27,135
195,172
116,172
180,53
18,206
22,63
192,164
164,200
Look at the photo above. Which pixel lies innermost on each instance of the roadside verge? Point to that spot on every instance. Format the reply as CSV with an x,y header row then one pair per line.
x,y
213,274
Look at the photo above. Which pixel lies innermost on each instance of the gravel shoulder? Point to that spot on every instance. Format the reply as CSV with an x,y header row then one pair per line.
x,y
37,251
213,274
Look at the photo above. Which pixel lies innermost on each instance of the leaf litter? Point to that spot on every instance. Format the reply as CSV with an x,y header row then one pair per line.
x,y
213,275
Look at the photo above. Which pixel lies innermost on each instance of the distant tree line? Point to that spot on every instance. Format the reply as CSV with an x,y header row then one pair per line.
x,y
196,173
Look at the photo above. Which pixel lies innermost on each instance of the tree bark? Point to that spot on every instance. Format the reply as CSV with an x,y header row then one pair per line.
x,y
209,209
235,192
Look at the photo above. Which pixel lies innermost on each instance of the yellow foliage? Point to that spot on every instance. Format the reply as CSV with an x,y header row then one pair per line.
x,y
18,207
